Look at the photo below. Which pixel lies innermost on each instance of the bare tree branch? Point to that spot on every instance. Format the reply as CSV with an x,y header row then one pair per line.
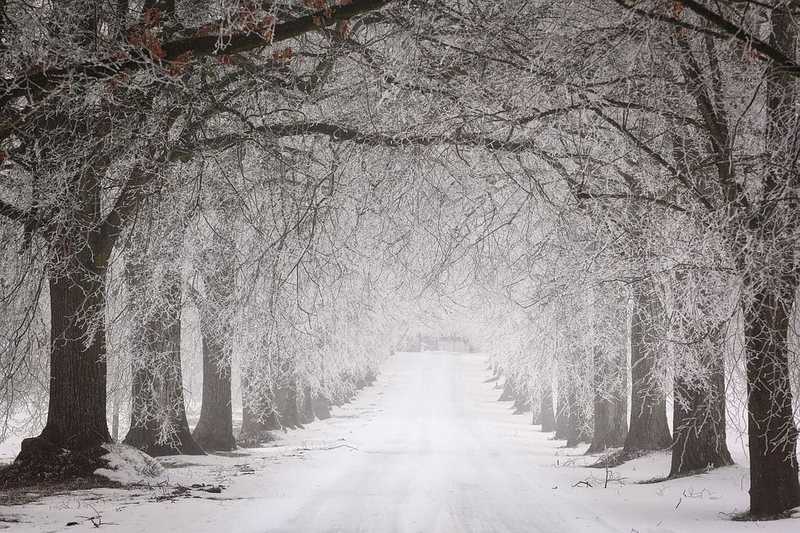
x,y
727,27
33,86
13,213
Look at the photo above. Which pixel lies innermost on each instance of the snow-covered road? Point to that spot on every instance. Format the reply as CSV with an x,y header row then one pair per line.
x,y
433,458
427,449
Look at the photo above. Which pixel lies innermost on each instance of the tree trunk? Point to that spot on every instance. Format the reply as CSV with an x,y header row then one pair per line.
x,y
522,402
288,408
648,428
307,411
321,407
535,409
563,409
255,429
214,430
508,391
698,420
258,418
772,435
76,417
547,417
610,403
158,415
577,424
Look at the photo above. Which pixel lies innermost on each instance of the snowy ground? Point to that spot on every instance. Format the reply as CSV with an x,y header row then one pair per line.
x,y
427,449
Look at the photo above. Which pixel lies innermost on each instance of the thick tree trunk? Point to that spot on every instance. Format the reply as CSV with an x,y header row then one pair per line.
x,y
772,435
258,418
214,430
577,423
288,405
76,417
261,409
619,418
254,429
610,401
158,415
648,428
698,420
547,417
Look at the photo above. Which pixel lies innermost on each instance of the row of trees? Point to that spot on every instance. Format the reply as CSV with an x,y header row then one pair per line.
x,y
661,153
677,201
558,165
131,193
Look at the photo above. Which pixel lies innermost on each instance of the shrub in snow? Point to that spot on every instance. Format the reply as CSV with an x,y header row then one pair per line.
x,y
127,465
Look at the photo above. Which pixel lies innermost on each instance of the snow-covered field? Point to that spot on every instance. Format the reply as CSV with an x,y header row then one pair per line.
x,y
427,449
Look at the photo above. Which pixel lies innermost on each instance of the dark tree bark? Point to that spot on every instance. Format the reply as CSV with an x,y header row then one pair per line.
x,y
288,407
648,427
214,430
772,435
771,291
76,419
76,416
157,395
610,401
80,238
260,412
698,420
699,426
258,418
699,439
577,422
254,429
276,409
547,417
